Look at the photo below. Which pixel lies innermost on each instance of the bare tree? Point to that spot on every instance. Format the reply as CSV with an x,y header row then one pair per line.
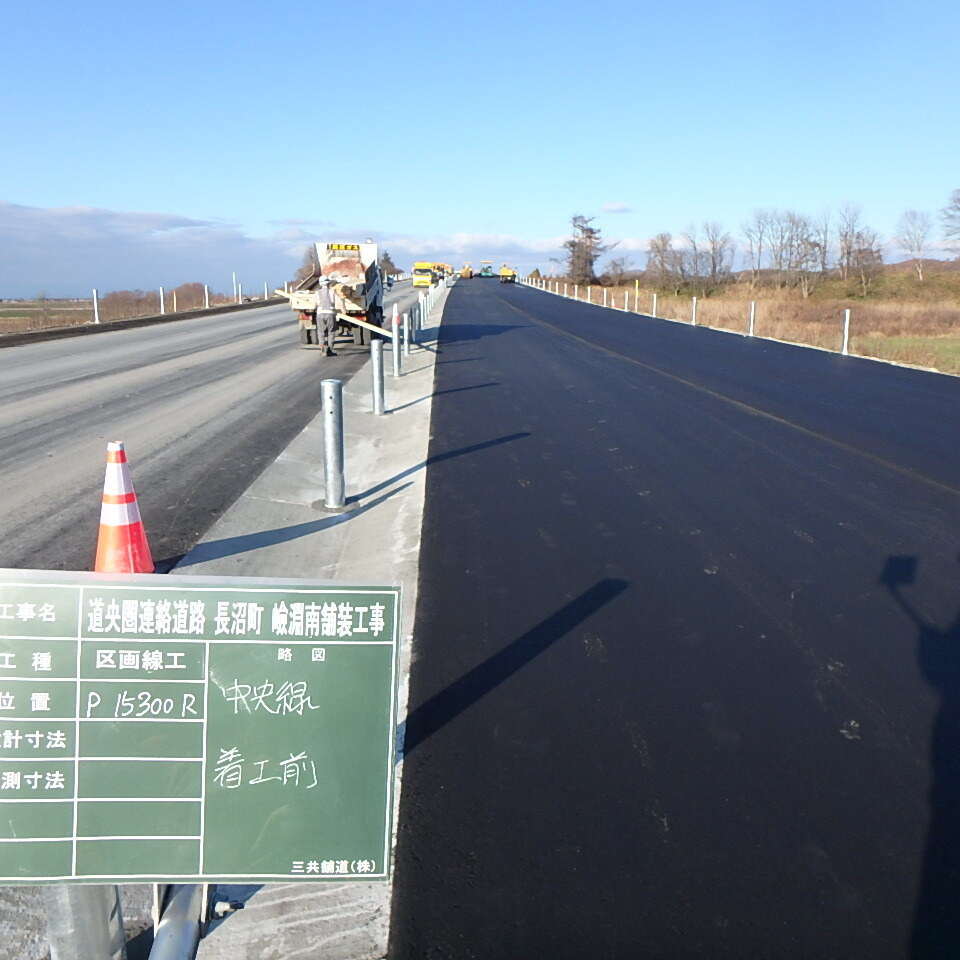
x,y
664,262
950,218
720,251
820,233
755,233
913,234
616,270
866,259
694,258
584,248
848,227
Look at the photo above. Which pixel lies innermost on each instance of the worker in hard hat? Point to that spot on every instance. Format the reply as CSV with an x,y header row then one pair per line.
x,y
326,315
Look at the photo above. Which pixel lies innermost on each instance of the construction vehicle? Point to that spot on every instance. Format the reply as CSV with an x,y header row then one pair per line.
x,y
423,275
486,268
466,272
508,274
354,272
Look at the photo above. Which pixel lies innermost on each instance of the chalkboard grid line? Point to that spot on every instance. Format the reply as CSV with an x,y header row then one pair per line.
x,y
203,769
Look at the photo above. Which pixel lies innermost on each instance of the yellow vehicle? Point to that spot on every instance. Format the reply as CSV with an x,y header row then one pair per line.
x,y
466,272
423,273
508,274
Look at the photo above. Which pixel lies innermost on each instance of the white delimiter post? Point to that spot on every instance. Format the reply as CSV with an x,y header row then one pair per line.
x,y
163,308
96,306
753,316
693,312
846,332
239,292
654,306
576,291
265,297
174,301
206,297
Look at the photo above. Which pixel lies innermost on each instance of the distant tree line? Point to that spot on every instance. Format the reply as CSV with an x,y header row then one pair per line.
x,y
780,247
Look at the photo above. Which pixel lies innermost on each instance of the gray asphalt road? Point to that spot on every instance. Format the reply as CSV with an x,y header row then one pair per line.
x,y
686,676
203,406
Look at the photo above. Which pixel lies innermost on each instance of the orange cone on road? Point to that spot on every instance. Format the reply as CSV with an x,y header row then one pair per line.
x,y
122,546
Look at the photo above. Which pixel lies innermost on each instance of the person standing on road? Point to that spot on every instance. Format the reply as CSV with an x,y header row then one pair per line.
x,y
326,315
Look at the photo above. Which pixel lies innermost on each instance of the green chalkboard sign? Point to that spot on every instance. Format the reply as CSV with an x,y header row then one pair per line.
x,y
195,728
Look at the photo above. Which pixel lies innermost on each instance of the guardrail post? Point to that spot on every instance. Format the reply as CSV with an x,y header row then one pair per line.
x,y
693,311
334,489
96,306
84,922
753,317
846,332
376,366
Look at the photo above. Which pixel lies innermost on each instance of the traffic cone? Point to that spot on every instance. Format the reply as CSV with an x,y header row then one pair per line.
x,y
122,545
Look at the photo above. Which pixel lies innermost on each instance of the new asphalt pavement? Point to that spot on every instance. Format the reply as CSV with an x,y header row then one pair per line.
x,y
686,671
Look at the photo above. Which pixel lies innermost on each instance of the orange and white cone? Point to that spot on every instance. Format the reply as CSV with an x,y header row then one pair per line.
x,y
122,545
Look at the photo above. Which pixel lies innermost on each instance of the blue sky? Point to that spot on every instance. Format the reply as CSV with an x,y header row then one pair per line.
x,y
151,143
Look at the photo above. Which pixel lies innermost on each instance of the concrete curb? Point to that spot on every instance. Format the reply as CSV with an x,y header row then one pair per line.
x,y
274,530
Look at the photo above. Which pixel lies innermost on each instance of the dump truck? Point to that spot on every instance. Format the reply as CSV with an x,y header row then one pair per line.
x,y
354,272
423,274
508,274
486,268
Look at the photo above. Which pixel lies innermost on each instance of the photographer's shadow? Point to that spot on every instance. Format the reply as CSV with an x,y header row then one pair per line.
x,y
936,926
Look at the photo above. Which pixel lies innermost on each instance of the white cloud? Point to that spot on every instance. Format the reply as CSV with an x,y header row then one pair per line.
x,y
615,208
66,251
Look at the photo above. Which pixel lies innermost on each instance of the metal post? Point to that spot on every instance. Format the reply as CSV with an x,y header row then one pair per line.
x,y
846,332
206,297
396,346
96,306
654,306
406,334
84,922
376,366
178,932
693,311
331,392
163,308
753,317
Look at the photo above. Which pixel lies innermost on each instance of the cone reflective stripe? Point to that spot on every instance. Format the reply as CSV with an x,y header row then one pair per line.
x,y
122,545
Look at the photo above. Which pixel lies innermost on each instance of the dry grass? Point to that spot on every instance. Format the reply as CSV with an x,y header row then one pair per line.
x,y
912,331
22,316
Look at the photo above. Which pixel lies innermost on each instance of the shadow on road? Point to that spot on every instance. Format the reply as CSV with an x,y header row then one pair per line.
x,y
439,710
439,458
463,334
440,393
936,925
